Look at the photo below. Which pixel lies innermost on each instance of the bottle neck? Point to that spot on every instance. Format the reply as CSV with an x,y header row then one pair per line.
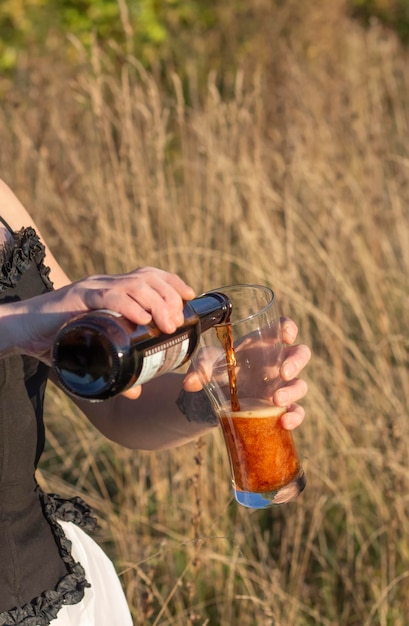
x,y
212,308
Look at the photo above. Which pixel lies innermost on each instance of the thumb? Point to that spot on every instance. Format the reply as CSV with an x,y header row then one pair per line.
x,y
191,382
133,393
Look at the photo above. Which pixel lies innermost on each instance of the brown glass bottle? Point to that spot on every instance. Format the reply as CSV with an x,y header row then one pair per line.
x,y
99,354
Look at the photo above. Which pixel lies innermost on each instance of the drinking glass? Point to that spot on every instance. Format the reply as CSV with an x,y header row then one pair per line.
x,y
238,363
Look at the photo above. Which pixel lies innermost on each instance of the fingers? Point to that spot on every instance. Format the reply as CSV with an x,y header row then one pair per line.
x,y
293,418
163,295
142,296
205,367
290,393
133,393
291,388
289,330
115,297
191,382
295,359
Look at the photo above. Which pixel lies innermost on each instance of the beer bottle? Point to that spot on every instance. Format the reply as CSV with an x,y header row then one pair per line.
x,y
99,354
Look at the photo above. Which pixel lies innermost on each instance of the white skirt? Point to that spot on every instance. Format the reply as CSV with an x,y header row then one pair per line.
x,y
104,603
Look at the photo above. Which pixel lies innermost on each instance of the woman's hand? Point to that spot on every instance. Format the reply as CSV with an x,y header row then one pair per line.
x,y
295,359
291,387
144,295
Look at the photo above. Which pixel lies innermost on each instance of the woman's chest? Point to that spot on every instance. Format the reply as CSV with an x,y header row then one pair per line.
x,y
5,237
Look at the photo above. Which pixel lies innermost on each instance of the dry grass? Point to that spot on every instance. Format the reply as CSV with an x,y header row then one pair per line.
x,y
298,180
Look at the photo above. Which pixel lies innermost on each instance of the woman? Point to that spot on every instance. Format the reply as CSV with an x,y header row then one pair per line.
x,y
51,571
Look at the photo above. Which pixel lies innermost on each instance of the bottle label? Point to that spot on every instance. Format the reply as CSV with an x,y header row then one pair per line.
x,y
163,358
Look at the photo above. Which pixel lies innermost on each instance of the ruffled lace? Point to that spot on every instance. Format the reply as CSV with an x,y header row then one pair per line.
x,y
196,407
70,589
19,255
24,250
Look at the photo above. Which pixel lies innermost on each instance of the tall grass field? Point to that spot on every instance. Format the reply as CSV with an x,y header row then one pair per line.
x,y
294,173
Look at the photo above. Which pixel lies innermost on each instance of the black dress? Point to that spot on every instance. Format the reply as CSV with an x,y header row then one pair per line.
x,y
37,572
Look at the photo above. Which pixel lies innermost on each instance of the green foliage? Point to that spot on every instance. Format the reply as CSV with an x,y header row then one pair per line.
x,y
28,23
162,33
392,13
146,24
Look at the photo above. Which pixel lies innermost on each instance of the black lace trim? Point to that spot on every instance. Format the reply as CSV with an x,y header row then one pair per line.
x,y
18,256
196,407
70,589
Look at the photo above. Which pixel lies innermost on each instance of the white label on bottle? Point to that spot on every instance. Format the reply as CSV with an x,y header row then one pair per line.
x,y
109,311
163,358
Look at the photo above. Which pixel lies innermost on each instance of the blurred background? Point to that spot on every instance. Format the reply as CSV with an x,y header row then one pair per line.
x,y
238,141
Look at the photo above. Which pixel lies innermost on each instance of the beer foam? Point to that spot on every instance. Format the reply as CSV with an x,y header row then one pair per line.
x,y
254,408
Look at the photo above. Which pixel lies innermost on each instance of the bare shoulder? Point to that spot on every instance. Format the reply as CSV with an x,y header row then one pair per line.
x,y
12,210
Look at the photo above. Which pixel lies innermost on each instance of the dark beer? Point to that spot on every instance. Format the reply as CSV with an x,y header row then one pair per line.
x,y
262,453
263,458
225,336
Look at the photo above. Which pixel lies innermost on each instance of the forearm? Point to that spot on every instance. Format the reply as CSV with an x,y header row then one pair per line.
x,y
10,329
153,421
